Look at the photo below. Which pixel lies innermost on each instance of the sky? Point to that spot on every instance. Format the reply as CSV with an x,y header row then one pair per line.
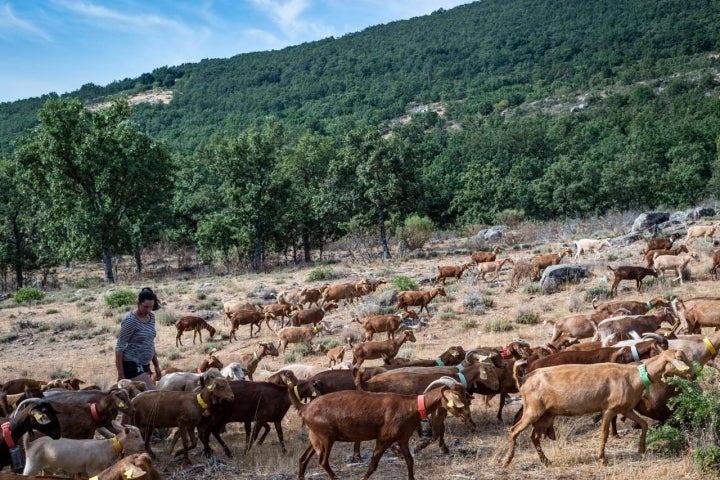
x,y
59,45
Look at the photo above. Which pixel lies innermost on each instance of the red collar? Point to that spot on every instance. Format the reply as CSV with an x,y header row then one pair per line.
x,y
552,348
7,436
421,407
505,353
94,412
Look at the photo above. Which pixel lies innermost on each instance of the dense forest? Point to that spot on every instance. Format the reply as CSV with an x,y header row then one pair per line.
x,y
546,109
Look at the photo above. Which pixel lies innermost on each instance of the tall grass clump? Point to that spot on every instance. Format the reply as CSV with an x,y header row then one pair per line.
x,y
415,232
601,292
498,325
402,282
323,272
121,298
28,294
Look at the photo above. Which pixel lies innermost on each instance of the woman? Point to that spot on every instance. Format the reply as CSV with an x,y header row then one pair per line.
x,y
135,347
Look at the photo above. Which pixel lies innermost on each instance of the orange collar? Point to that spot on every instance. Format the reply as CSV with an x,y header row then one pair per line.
x,y
7,435
421,407
94,412
505,354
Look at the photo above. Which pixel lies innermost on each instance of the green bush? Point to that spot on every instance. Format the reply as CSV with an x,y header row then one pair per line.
x,y
402,282
533,288
707,459
209,347
468,324
474,304
601,292
28,294
446,315
322,272
498,325
8,337
415,232
165,318
120,298
488,302
666,439
525,318
695,409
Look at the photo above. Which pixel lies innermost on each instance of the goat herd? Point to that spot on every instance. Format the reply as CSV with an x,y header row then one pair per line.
x,y
630,348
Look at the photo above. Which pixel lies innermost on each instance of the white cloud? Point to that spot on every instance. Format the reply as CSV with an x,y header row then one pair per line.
x,y
286,14
11,24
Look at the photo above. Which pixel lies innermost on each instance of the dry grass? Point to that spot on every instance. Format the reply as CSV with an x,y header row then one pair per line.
x,y
36,349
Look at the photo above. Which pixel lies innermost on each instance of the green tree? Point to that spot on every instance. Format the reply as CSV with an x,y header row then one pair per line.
x,y
101,174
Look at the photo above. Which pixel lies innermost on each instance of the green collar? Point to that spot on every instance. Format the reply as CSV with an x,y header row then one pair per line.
x,y
644,377
440,363
649,305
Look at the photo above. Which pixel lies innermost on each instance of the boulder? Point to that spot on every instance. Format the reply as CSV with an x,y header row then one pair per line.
x,y
647,220
625,240
700,212
556,275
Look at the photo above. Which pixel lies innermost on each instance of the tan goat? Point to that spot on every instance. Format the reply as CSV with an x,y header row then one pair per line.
x,y
573,390
493,267
479,257
387,348
716,264
445,272
411,298
700,231
298,335
541,262
698,312
677,263
587,244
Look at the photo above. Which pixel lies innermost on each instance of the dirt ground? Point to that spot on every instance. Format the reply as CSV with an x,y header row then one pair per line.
x,y
72,332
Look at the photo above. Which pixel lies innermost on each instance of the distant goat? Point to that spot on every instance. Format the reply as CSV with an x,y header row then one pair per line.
x,y
630,272
586,244
194,324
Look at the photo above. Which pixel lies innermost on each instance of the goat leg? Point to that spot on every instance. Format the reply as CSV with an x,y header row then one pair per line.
x,y
380,448
304,459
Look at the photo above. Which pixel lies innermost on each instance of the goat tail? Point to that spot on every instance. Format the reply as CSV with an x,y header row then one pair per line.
x,y
594,303
358,378
610,268
519,379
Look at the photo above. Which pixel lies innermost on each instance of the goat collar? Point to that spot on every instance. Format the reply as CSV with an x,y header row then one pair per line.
x,y
421,407
7,435
116,445
256,356
460,367
440,362
505,353
649,305
463,380
94,413
201,402
635,354
710,346
297,394
644,377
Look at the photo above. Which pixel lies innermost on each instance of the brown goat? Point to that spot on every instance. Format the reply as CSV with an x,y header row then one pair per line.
x,y
137,465
79,418
541,262
279,311
582,325
247,317
573,390
211,361
334,355
480,257
614,329
311,316
233,306
298,335
630,272
388,348
493,267
650,255
387,418
698,312
12,387
342,291
250,361
194,324
660,243
716,264
455,272
411,298
630,307
384,323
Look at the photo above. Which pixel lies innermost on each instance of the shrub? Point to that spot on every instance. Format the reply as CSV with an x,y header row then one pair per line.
x,y
527,318
322,272
209,347
468,324
446,315
8,337
28,294
510,217
666,439
301,350
601,292
402,282
165,318
488,302
120,298
415,232
533,288
474,304
52,311
707,459
498,325
63,326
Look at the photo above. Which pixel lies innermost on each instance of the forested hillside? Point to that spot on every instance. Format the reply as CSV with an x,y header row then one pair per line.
x,y
550,109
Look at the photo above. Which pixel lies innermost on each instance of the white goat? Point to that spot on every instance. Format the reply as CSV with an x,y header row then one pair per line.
x,y
187,381
85,457
586,244
233,371
673,262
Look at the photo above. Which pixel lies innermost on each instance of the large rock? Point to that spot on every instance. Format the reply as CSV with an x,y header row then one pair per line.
x,y
556,275
625,240
492,234
700,212
647,220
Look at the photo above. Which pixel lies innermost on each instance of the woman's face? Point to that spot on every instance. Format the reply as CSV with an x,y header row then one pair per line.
x,y
145,307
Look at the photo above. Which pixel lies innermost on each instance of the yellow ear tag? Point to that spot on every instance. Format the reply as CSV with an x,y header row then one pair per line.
x,y
128,473
121,404
684,368
288,382
454,354
450,403
38,416
314,394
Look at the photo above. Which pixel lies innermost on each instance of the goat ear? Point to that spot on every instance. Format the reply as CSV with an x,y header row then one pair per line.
x,y
40,417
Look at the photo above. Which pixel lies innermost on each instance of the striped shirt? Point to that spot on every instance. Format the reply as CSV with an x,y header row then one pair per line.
x,y
137,339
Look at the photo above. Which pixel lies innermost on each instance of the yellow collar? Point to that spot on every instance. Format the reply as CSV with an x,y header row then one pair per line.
x,y
116,445
297,394
709,346
201,402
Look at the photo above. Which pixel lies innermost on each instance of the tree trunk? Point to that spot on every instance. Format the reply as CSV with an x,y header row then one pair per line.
x,y
138,261
18,261
306,246
383,234
107,261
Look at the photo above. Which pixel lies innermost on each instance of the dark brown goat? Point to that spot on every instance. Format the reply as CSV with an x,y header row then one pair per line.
x,y
80,413
661,243
388,348
259,402
411,298
194,324
246,317
311,316
18,385
31,414
386,418
630,272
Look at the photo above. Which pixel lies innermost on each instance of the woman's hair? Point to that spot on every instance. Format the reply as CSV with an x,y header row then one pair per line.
x,y
147,294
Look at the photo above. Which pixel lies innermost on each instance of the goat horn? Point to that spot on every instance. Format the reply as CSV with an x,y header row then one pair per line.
x,y
654,336
446,381
36,401
471,352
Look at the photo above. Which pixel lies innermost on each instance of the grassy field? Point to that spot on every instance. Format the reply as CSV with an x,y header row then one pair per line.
x,y
72,332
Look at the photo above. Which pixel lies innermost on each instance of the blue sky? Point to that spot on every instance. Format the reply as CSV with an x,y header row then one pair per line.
x,y
59,45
